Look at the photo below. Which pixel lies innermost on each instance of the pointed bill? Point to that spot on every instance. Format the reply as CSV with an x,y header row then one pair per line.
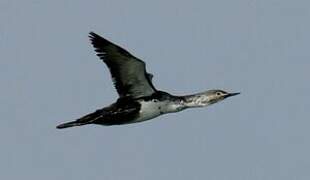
x,y
232,94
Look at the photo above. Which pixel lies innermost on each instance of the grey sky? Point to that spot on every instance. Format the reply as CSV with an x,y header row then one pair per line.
x,y
49,74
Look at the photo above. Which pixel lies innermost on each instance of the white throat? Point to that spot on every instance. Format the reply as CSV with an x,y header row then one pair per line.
x,y
196,100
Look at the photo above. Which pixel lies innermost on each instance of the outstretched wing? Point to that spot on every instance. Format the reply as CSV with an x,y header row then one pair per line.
x,y
128,72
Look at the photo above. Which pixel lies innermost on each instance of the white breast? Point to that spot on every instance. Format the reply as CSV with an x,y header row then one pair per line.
x,y
152,109
149,110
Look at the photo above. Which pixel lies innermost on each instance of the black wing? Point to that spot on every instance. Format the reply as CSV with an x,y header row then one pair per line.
x,y
128,72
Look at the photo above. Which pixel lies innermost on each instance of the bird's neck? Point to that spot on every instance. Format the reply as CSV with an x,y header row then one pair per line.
x,y
196,100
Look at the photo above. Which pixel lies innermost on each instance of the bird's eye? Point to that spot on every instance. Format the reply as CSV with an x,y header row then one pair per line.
x,y
218,93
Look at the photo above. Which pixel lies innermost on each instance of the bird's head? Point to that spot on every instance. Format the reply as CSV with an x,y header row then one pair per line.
x,y
206,98
217,95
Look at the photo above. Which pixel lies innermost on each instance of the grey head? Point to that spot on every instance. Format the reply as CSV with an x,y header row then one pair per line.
x,y
206,98
217,95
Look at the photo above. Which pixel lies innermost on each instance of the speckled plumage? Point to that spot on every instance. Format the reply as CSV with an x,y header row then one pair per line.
x,y
138,98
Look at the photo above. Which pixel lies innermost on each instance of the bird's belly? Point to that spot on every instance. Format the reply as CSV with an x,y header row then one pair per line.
x,y
149,110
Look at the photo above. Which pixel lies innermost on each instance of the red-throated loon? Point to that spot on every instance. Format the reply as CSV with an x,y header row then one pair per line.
x,y
138,99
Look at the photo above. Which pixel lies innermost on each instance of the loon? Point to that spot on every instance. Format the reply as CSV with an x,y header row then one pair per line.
x,y
138,99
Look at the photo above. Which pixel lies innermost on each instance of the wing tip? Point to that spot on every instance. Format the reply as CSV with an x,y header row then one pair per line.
x,y
93,36
97,41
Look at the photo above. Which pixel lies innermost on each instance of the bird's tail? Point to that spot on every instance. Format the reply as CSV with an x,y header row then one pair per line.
x,y
88,119
71,124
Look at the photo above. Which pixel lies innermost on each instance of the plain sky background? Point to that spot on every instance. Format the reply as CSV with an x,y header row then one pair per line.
x,y
49,74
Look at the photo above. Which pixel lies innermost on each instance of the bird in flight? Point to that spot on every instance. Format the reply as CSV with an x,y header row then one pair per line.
x,y
138,99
